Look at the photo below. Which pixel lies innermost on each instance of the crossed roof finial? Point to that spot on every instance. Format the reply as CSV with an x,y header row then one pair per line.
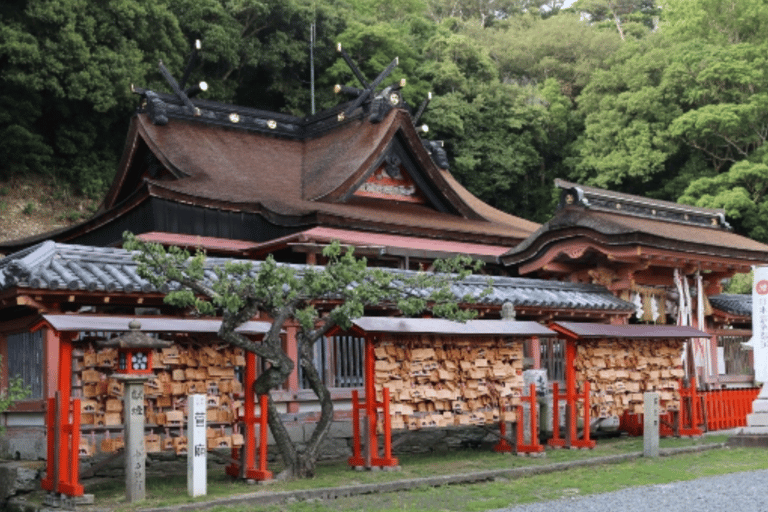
x,y
178,87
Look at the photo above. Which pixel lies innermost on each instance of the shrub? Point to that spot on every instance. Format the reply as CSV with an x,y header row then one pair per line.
x,y
16,391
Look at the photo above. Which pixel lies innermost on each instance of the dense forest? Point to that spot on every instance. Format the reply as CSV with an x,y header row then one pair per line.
x,y
666,99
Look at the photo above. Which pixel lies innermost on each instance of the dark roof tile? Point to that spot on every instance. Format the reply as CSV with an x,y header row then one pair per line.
x,y
52,266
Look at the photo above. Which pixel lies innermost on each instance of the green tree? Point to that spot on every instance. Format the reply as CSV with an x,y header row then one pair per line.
x,y
240,291
741,191
628,109
716,21
562,47
724,91
66,71
628,17
257,53
489,12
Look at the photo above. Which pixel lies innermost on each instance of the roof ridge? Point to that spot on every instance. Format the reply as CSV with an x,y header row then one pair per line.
x,y
637,206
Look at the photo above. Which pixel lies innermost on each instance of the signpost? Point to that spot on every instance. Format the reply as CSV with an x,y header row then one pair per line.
x,y
197,452
650,424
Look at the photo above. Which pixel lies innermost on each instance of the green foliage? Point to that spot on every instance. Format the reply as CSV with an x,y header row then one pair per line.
x,y
15,391
740,284
277,287
65,93
562,47
627,17
721,22
29,208
627,111
741,192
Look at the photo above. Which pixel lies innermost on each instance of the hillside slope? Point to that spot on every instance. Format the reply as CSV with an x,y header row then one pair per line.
x,y
33,205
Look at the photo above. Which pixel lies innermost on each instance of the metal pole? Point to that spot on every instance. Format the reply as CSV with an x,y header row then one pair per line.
x,y
312,64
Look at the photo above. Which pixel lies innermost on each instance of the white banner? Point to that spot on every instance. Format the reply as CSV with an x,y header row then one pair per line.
x,y
759,340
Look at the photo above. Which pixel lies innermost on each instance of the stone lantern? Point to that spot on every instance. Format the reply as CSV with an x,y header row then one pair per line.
x,y
134,350
134,362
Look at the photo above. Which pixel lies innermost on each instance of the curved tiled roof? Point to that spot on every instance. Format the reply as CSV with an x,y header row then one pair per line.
x,y
56,266
616,220
734,304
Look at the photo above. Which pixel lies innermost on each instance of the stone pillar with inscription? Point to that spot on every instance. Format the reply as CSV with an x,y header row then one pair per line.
x,y
756,431
135,451
651,424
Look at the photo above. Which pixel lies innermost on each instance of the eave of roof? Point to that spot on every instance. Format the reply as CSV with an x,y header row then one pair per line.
x,y
55,267
585,330
103,323
448,327
733,304
387,243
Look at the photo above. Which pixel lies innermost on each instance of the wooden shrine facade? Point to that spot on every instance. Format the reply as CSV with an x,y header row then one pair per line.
x,y
667,259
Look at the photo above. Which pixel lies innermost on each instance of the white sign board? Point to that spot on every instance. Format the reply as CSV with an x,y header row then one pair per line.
x,y
759,340
196,446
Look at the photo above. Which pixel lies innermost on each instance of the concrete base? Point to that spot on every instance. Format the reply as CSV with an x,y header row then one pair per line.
x,y
748,440
755,434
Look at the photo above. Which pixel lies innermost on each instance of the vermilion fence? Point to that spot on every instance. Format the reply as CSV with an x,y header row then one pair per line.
x,y
727,408
719,410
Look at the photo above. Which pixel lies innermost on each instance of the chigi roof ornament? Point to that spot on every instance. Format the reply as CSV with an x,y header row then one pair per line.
x,y
376,104
157,107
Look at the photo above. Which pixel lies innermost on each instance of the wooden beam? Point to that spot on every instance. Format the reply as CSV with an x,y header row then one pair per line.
x,y
26,300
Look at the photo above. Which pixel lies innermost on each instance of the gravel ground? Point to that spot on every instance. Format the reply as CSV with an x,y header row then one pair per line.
x,y
742,492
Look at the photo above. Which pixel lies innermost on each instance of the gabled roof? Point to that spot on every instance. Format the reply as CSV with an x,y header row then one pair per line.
x,y
52,266
593,221
295,173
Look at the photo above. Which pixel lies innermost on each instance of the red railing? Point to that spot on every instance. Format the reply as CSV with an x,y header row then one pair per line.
x,y
714,409
727,408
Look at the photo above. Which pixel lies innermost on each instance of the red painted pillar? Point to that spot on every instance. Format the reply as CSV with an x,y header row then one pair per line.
x,y
370,398
250,413
292,350
570,389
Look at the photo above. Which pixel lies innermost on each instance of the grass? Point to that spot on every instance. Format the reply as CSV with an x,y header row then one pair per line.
x,y
172,490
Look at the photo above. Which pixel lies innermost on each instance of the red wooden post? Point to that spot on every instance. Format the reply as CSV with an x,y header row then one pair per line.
x,y
570,392
370,399
386,460
357,457
70,485
263,441
249,469
250,413
586,442
503,445
688,410
534,446
65,390
49,483
371,407
556,440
